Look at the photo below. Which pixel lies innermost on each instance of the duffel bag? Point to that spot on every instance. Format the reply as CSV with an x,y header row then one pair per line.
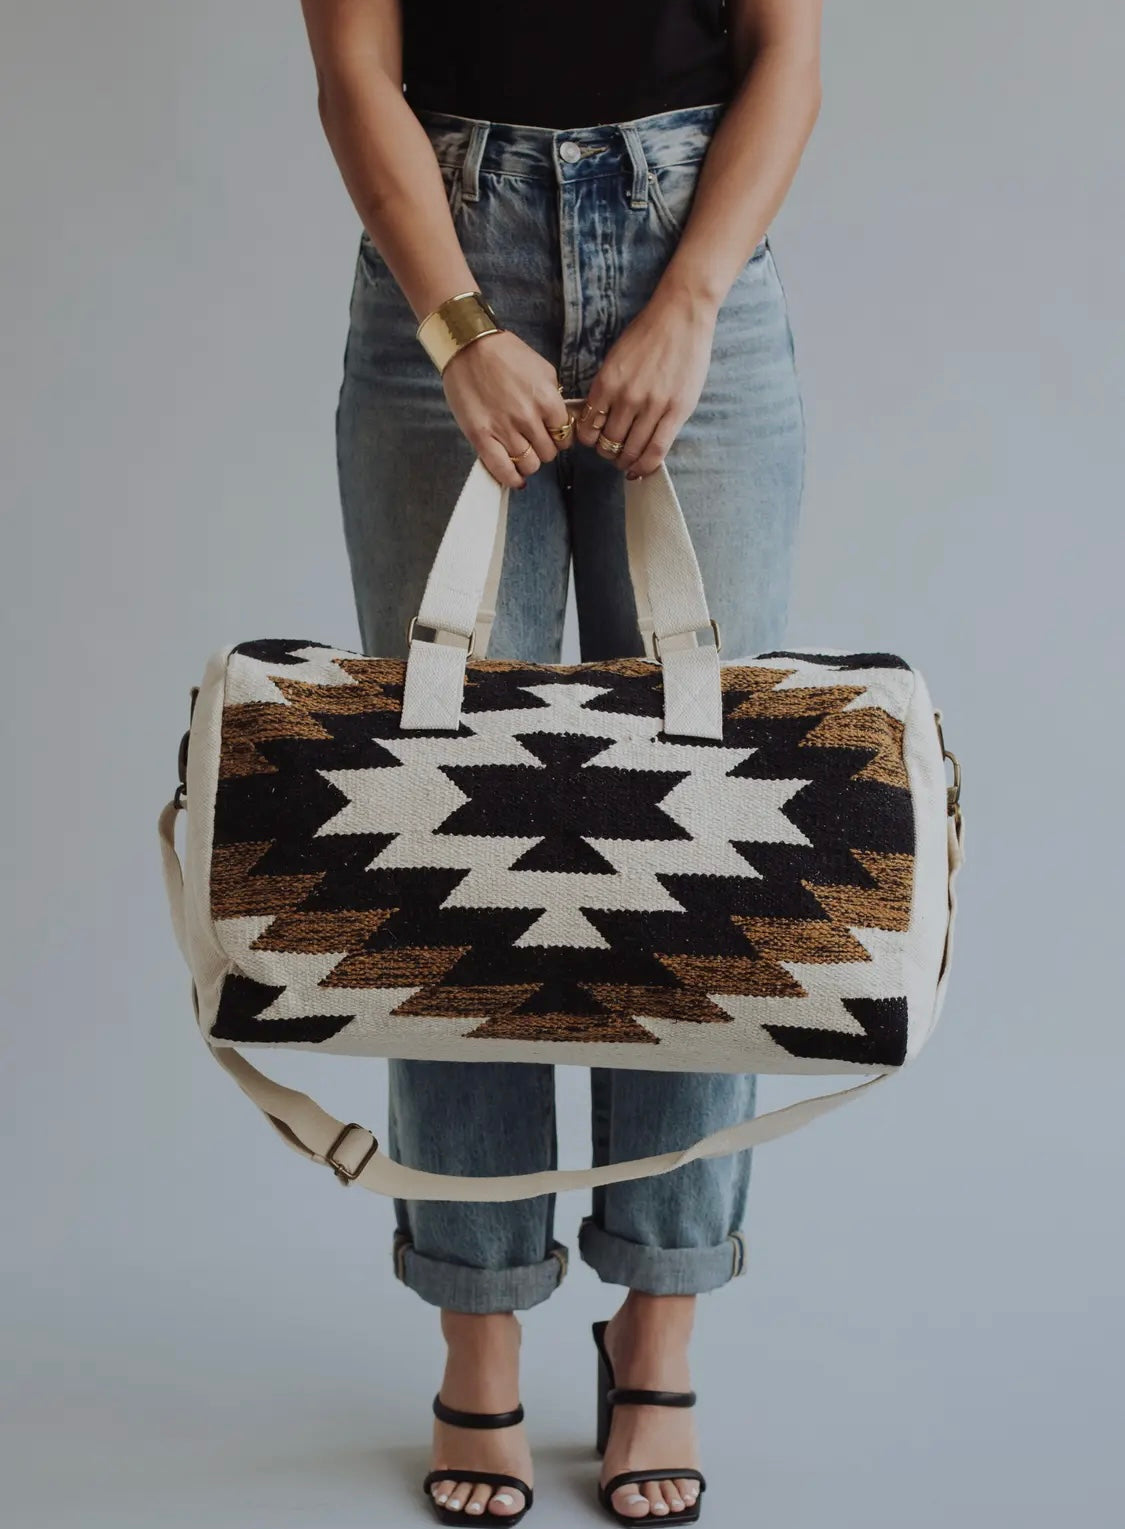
x,y
675,861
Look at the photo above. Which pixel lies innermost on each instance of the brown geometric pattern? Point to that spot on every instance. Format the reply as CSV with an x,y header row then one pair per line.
x,y
559,868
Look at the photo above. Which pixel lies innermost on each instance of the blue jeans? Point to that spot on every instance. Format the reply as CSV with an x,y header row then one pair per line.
x,y
566,233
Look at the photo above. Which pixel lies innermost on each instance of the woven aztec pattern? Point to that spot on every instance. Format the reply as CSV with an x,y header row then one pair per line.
x,y
559,869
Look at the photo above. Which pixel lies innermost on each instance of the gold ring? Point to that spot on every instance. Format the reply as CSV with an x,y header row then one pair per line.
x,y
614,446
560,432
523,453
588,414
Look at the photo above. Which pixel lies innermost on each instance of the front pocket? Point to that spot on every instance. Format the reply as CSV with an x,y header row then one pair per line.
x,y
671,190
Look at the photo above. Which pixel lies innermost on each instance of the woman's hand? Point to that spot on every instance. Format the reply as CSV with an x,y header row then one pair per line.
x,y
506,398
650,380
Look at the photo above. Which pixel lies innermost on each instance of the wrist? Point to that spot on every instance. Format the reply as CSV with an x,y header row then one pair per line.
x,y
690,292
454,324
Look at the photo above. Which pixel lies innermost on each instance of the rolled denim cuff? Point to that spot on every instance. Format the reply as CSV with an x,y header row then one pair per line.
x,y
660,1271
460,1287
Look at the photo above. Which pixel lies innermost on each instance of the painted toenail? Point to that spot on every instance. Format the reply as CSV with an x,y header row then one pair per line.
x,y
636,1498
443,1497
475,1507
660,1507
504,1498
455,1504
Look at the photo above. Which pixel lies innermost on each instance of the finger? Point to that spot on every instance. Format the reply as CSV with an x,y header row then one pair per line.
x,y
535,430
494,454
556,426
522,453
616,430
592,416
640,435
657,448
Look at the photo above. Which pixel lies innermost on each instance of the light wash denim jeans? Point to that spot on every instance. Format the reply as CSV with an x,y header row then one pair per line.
x,y
566,232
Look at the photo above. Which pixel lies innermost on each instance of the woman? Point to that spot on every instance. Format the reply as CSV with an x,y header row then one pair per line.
x,y
576,203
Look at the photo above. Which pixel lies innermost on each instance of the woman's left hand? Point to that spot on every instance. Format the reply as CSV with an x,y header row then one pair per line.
x,y
650,381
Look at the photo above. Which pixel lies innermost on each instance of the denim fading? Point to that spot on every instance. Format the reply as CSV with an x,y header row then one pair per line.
x,y
568,244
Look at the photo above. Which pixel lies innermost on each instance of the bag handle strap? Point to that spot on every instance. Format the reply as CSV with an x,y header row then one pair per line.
x,y
634,537
353,1153
668,583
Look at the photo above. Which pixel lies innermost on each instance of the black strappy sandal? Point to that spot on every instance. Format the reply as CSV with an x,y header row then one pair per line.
x,y
610,1396
489,1478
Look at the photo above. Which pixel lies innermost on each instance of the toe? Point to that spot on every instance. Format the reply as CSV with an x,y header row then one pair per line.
x,y
673,1496
629,1499
459,1496
441,1491
506,1501
477,1499
688,1488
655,1494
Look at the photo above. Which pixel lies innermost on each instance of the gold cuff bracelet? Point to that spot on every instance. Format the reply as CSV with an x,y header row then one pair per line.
x,y
455,323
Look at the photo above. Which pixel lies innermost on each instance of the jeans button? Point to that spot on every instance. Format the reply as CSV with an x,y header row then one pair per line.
x,y
569,151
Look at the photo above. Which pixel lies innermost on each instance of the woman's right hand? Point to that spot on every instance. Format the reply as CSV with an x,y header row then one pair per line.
x,y
505,395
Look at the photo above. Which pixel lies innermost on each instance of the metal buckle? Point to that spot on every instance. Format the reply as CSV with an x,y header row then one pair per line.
x,y
471,641
179,801
346,1175
953,792
714,628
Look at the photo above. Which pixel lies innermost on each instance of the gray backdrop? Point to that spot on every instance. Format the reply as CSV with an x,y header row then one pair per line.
x,y
199,1325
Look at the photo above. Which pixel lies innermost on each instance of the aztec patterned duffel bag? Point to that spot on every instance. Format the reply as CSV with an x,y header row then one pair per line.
x,y
668,862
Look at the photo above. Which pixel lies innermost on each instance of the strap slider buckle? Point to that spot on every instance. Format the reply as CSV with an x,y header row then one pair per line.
x,y
469,640
714,628
342,1172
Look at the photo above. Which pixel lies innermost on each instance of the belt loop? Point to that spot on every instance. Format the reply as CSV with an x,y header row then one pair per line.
x,y
470,165
638,197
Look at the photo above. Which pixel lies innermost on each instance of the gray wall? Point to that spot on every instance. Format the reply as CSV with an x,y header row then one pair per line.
x,y
198,1323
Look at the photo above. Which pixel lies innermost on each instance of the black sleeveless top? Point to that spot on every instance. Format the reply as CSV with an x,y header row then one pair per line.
x,y
570,64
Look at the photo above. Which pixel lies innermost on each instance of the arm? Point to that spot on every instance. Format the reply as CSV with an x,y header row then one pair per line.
x,y
652,376
502,393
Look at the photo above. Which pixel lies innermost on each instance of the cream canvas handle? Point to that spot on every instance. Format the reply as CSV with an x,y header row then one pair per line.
x,y
353,1152
667,583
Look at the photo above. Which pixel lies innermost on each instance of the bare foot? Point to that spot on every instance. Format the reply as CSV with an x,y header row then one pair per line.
x,y
481,1375
647,1342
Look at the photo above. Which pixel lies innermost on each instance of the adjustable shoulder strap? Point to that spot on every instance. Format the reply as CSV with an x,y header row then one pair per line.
x,y
352,1151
